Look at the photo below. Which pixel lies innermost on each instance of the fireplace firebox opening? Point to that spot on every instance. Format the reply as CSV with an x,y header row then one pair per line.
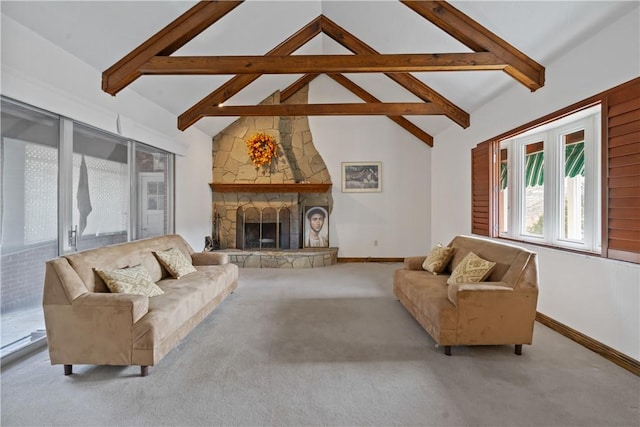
x,y
266,228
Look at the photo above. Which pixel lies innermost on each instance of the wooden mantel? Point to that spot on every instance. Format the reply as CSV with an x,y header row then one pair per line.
x,y
269,188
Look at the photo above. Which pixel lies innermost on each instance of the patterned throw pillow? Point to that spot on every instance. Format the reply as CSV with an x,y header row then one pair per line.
x,y
175,262
131,280
471,269
438,259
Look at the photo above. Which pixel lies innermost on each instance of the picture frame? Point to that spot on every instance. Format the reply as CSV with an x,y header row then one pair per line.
x,y
315,219
361,177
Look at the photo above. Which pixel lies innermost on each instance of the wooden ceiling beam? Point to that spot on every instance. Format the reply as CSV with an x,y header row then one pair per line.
x,y
296,64
399,120
479,39
490,52
296,86
406,80
362,109
355,45
364,95
165,42
239,82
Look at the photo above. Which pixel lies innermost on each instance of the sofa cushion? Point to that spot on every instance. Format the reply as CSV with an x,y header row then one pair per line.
x,y
175,262
123,255
428,293
181,300
471,269
503,254
438,259
131,280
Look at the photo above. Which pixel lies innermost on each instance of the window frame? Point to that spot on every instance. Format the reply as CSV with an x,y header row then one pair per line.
x,y
617,160
551,137
16,248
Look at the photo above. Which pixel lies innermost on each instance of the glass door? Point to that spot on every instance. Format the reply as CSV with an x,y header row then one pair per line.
x,y
67,187
29,218
96,197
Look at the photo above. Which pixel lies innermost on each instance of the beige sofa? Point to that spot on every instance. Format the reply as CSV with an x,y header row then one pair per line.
x,y
500,310
87,324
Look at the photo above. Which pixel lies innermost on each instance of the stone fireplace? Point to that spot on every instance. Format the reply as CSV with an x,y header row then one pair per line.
x,y
260,209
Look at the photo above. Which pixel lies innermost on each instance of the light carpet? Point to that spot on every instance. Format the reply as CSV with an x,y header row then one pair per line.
x,y
327,347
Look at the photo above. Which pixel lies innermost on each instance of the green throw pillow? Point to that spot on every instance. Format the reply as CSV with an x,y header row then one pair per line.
x,y
130,280
175,262
471,269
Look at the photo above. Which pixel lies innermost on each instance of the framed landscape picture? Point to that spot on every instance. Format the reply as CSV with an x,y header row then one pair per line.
x,y
361,177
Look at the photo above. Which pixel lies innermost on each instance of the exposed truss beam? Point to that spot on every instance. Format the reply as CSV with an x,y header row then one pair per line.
x,y
478,38
363,109
296,64
489,53
364,95
165,42
407,81
296,86
399,120
237,83
355,45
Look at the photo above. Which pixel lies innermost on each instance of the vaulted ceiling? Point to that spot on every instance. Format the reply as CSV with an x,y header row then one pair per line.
x,y
426,66
489,52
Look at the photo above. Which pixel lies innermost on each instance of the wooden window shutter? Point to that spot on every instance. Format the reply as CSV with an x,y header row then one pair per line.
x,y
484,182
621,173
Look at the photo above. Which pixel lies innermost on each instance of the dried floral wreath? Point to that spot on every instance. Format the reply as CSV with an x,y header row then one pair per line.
x,y
261,149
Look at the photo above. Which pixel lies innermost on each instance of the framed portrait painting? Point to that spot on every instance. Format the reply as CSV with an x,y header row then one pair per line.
x,y
361,177
316,227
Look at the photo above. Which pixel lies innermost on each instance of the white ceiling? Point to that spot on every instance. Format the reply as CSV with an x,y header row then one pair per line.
x,y
102,32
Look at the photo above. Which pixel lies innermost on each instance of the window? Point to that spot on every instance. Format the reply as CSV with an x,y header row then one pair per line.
x,y
549,183
570,179
40,191
66,186
28,220
99,187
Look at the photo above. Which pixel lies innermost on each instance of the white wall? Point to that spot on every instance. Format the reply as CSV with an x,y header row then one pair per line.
x,y
399,216
597,297
41,74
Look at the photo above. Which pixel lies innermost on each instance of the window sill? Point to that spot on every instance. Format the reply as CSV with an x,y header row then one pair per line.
x,y
548,246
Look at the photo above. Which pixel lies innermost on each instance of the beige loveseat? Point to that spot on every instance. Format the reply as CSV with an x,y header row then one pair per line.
x,y
500,310
87,324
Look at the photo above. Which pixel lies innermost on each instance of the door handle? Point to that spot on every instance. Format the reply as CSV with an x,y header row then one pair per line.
x,y
73,238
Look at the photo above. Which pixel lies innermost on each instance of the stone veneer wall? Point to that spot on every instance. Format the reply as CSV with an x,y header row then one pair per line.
x,y
309,258
297,161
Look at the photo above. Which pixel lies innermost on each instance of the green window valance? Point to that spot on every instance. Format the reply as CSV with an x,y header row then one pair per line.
x,y
534,167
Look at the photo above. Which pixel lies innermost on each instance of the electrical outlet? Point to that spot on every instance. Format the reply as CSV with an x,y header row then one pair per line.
x,y
375,243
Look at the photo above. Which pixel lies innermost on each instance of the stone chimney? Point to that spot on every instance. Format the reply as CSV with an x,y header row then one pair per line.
x,y
297,162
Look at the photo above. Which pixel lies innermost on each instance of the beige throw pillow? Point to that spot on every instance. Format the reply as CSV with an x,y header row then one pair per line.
x,y
175,262
471,269
130,280
438,259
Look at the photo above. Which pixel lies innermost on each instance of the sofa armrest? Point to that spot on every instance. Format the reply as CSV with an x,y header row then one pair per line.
x,y
468,290
414,262
491,313
96,328
135,306
209,258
